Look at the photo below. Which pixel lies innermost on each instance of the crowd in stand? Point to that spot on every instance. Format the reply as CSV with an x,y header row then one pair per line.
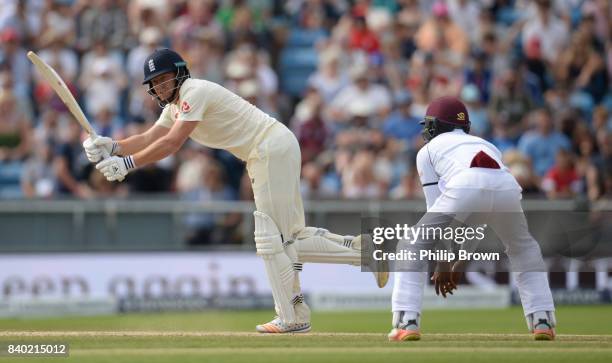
x,y
533,74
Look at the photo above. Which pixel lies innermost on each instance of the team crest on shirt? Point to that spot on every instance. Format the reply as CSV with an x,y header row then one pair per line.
x,y
185,107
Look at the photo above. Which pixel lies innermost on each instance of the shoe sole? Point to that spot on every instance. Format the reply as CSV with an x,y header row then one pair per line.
x,y
296,331
545,335
406,336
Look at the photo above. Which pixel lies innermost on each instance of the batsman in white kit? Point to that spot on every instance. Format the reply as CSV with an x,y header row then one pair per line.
x,y
463,176
215,117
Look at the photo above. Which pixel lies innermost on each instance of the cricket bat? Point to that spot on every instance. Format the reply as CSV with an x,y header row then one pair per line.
x,y
62,91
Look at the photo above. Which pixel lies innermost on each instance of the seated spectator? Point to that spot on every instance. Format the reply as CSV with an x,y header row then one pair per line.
x,y
363,91
510,105
522,170
15,129
479,118
439,30
562,181
103,78
480,75
70,164
106,123
401,124
465,14
210,228
105,21
12,53
548,28
359,180
543,143
312,132
38,179
361,37
582,66
329,78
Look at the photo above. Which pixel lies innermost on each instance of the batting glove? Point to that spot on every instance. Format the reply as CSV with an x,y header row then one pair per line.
x,y
96,148
116,168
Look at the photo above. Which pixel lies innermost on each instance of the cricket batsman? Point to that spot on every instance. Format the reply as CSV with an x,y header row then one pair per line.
x,y
215,117
463,176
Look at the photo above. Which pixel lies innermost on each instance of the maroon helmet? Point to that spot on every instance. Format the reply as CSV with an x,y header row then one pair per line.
x,y
445,114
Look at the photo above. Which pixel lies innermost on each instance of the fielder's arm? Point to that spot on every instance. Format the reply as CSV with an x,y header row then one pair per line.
x,y
136,143
165,145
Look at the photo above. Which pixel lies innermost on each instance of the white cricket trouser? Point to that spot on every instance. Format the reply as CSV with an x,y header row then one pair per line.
x,y
274,167
505,217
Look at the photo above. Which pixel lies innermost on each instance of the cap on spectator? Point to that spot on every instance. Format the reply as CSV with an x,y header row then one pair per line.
x,y
101,67
329,55
440,9
358,71
150,36
358,108
9,35
248,89
237,69
470,93
402,97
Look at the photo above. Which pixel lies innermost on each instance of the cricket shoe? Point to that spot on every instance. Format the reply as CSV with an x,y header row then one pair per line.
x,y
380,269
277,326
542,330
542,325
405,327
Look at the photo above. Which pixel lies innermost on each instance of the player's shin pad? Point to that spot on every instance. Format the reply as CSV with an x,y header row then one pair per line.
x,y
279,266
321,246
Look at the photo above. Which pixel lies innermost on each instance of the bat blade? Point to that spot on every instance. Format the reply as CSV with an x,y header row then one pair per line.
x,y
60,88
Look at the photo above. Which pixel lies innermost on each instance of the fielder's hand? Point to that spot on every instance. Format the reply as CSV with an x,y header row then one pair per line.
x,y
116,168
96,148
447,277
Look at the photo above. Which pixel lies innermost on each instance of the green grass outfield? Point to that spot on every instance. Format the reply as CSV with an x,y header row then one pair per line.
x,y
585,335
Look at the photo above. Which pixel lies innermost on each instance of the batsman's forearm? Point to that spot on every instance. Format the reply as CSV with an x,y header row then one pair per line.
x,y
159,150
133,144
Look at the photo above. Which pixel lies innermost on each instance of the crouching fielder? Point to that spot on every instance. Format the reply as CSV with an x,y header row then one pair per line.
x,y
464,179
215,117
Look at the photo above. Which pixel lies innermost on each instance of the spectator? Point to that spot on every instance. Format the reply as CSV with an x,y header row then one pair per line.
x,y
550,30
543,143
312,132
440,31
359,181
15,129
479,118
38,179
106,123
509,106
104,21
70,164
13,57
562,180
362,37
329,78
581,65
522,170
58,25
103,79
465,14
401,124
209,228
361,91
